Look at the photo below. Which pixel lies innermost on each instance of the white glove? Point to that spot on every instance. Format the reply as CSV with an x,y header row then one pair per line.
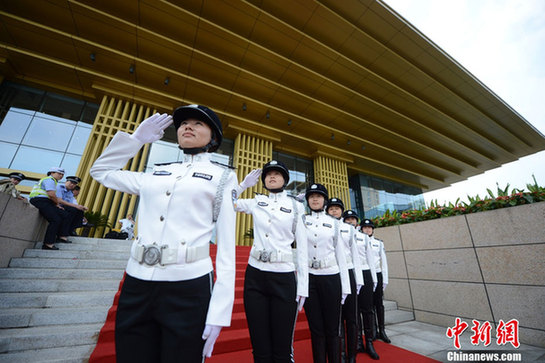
x,y
152,128
343,298
384,287
251,179
300,302
358,288
210,334
374,286
300,197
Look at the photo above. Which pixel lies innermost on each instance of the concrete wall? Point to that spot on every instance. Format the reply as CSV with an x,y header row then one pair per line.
x,y
21,226
485,266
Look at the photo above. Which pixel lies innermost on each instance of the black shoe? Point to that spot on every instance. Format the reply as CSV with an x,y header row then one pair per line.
x,y
52,248
74,234
63,240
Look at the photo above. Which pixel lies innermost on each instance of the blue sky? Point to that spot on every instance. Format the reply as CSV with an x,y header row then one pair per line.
x,y
502,43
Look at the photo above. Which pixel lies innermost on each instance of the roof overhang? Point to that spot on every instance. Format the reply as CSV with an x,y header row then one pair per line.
x,y
350,79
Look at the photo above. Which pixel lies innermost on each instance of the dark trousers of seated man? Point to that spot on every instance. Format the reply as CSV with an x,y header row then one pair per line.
x,y
75,218
162,321
271,312
323,311
58,219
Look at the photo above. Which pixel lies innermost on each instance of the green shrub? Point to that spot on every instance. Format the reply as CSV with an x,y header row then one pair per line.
x,y
504,199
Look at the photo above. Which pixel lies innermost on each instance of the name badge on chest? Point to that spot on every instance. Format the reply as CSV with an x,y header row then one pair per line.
x,y
262,204
162,173
286,210
202,176
327,225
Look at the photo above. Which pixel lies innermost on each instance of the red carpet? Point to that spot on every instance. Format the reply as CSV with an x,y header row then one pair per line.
x,y
233,344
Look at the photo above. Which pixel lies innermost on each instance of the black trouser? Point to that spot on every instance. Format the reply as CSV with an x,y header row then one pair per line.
x,y
378,295
323,311
271,312
349,317
76,218
378,304
365,302
162,321
57,218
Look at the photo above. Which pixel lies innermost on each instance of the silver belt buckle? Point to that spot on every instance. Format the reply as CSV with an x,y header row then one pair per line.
x,y
316,264
264,256
152,254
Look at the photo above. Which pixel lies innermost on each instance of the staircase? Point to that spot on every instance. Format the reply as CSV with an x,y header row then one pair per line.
x,y
54,304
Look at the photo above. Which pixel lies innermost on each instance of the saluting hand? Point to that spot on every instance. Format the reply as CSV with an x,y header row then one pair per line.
x,y
152,128
251,179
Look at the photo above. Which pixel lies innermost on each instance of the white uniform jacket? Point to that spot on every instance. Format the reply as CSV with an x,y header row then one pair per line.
x,y
348,236
381,263
367,257
323,248
176,203
273,218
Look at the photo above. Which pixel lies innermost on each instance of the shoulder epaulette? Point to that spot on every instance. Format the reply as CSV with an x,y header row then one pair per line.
x,y
256,193
222,165
168,163
294,197
378,239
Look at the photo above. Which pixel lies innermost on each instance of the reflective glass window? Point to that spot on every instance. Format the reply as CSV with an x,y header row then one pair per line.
x,y
7,151
14,126
48,134
62,106
162,152
37,160
70,164
79,138
16,95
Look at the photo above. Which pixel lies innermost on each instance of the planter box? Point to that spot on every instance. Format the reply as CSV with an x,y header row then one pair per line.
x,y
485,266
21,225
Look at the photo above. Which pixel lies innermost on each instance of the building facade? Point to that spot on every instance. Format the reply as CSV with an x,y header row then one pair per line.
x,y
347,94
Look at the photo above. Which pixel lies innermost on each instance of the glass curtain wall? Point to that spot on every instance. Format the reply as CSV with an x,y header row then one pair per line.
x,y
372,196
40,129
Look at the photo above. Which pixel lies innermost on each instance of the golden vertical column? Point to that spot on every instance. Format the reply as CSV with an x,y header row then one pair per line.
x,y
333,174
113,115
250,153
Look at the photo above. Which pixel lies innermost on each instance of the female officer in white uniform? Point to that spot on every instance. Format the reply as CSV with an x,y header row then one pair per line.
x,y
169,309
381,266
329,284
349,311
272,290
365,297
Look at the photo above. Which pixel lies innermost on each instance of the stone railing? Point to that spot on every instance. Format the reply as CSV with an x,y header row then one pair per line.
x,y
21,226
485,266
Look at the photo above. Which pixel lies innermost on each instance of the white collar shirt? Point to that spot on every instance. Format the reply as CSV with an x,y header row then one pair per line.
x,y
273,218
366,254
176,209
324,245
348,236
379,254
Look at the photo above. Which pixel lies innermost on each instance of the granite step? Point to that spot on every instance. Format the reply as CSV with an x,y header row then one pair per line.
x,y
42,337
63,263
74,354
44,285
31,317
15,300
56,273
75,254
